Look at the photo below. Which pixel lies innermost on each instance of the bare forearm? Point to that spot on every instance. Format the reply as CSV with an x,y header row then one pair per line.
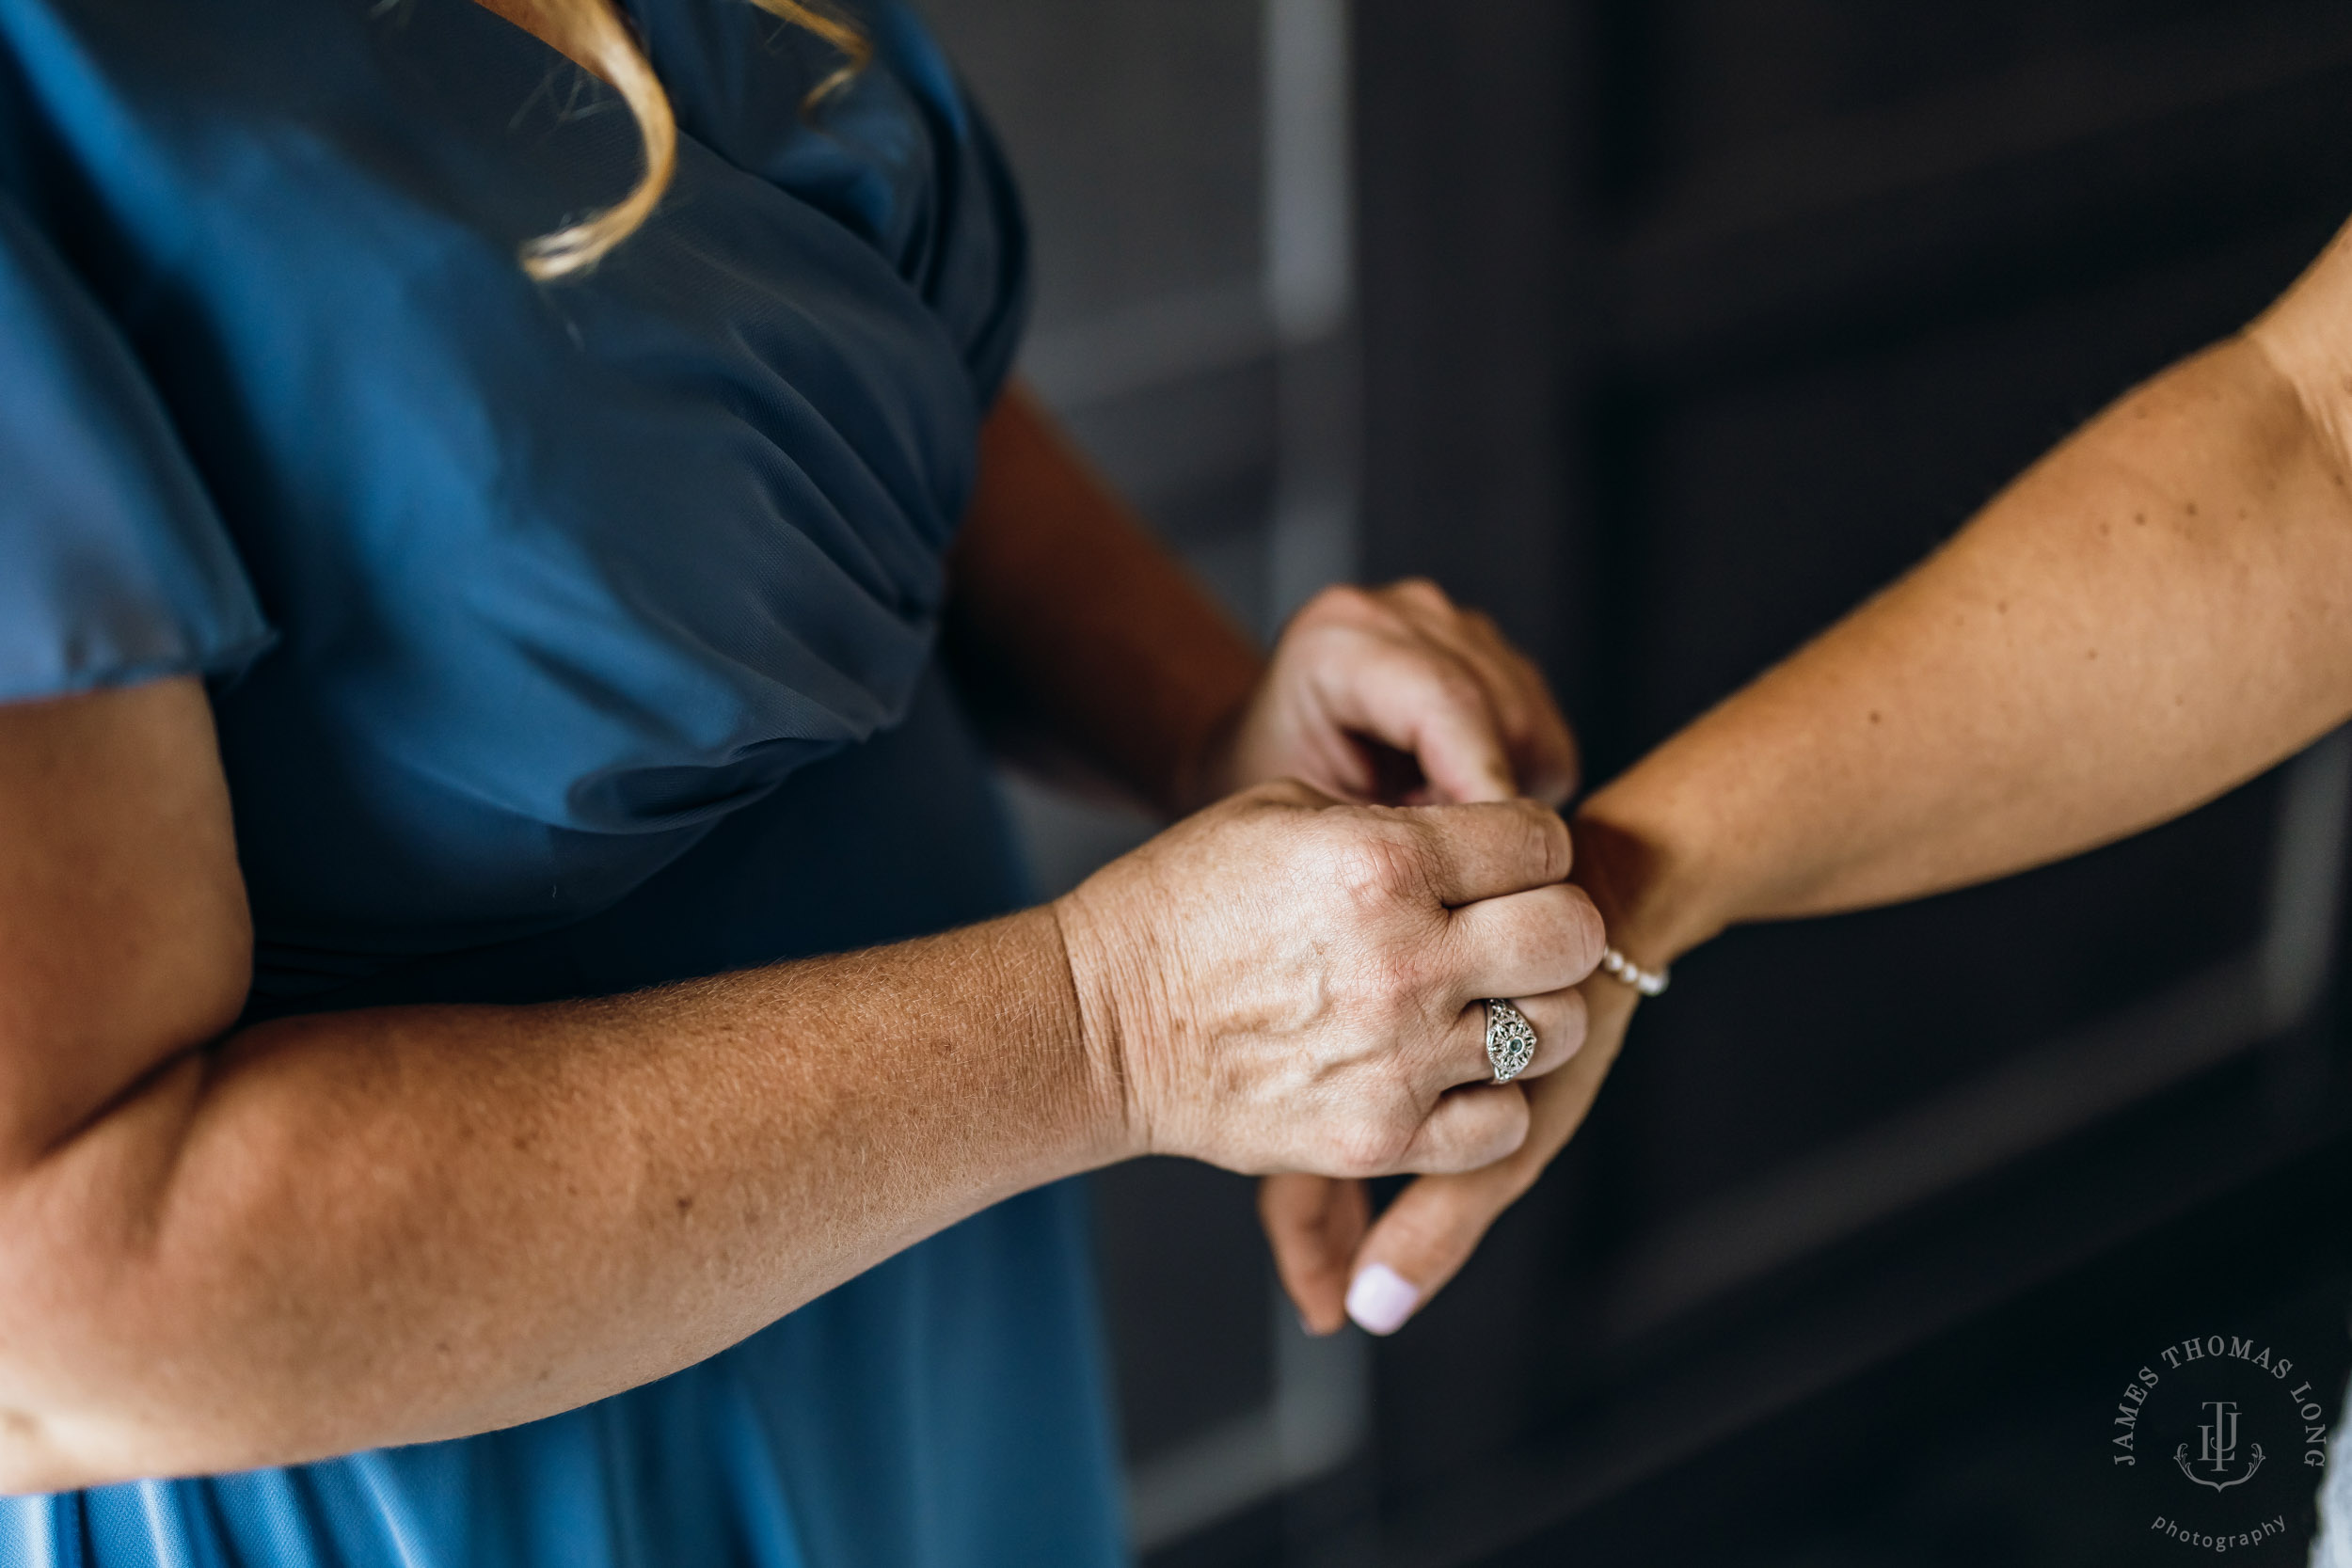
x,y
2156,612
1085,642
405,1224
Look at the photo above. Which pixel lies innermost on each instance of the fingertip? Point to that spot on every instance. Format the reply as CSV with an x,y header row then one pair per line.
x,y
1379,1299
1323,1324
1481,778
1554,781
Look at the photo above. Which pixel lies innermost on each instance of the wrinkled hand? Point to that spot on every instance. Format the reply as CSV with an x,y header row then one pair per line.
x,y
1335,1268
1286,983
1398,696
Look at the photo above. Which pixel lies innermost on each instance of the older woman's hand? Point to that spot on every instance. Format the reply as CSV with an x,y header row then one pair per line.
x,y
1287,983
1391,694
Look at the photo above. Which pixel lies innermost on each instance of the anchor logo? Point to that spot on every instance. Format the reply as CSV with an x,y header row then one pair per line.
x,y
2216,1449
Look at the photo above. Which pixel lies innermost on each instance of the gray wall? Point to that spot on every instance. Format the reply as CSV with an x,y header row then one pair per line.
x,y
1684,324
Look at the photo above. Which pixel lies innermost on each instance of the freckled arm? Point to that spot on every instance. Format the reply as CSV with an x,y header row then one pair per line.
x,y
2157,611
225,1248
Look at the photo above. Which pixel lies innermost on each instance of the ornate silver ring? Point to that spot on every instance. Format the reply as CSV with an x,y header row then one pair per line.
x,y
1510,1039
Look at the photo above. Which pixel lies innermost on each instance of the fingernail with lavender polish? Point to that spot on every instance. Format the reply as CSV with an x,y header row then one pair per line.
x,y
1380,1299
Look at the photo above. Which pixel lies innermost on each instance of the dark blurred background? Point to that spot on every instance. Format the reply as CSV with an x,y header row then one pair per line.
x,y
1666,330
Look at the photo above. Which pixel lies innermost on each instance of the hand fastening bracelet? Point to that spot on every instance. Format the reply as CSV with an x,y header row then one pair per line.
x,y
1649,982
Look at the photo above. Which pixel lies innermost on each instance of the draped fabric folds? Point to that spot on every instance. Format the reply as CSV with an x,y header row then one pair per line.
x,y
562,639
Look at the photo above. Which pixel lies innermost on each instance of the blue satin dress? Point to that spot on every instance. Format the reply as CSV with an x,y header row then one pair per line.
x,y
564,640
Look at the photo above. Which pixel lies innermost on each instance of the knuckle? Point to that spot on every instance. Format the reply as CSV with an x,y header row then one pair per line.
x,y
1458,683
1489,1124
1363,869
1260,804
1366,1149
1341,603
1422,591
1545,847
1558,938
1286,794
1372,866
1272,792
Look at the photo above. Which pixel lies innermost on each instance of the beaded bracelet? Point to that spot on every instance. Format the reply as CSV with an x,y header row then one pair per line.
x,y
1649,982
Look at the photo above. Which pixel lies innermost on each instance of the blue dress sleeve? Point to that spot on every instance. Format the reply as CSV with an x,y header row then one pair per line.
x,y
114,566
976,276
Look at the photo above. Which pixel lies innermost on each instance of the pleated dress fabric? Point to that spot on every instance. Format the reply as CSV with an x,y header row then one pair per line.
x,y
563,639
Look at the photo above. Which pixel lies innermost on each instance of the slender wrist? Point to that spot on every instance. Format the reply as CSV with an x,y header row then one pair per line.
x,y
1654,891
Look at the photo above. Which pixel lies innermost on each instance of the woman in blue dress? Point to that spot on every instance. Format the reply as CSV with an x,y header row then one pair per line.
x,y
519,1037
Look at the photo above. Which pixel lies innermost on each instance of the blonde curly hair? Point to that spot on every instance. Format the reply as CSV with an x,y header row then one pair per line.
x,y
593,33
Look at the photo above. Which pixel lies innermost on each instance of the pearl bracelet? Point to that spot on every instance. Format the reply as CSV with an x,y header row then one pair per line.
x,y
1649,982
